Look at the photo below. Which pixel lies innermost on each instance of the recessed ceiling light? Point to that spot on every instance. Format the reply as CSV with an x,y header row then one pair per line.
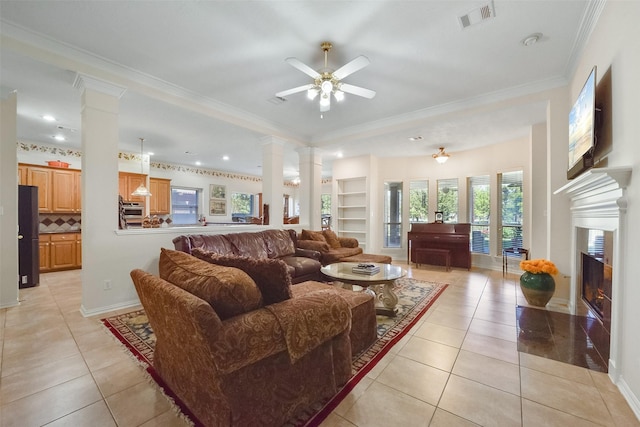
x,y
225,158
48,118
198,163
339,154
415,138
531,39
59,138
151,153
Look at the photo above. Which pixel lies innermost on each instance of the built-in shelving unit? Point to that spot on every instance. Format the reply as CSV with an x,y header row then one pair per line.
x,y
353,209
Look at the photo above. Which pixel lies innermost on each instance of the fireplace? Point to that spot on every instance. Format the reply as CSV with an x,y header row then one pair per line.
x,y
596,287
598,208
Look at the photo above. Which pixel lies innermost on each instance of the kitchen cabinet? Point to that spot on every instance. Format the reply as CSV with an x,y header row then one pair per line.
x,y
127,184
78,250
65,190
41,178
58,188
63,251
45,252
160,200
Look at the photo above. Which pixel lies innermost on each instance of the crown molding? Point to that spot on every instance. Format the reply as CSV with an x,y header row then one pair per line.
x,y
588,23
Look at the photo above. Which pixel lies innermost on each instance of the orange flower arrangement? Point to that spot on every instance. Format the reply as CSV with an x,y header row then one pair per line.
x,y
537,266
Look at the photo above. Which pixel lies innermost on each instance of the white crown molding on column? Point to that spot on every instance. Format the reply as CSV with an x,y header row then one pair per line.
x,y
83,81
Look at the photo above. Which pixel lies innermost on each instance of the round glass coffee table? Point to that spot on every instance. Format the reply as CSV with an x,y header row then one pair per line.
x,y
343,272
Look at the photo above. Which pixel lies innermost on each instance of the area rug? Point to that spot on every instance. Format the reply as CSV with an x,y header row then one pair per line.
x,y
415,297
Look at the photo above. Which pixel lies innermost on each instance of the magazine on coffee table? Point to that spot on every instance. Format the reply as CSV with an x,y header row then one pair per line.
x,y
365,269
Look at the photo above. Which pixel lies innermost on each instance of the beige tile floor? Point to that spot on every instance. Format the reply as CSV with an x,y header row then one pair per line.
x,y
458,367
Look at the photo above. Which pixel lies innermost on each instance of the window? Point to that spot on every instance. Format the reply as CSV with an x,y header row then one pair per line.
x,y
242,206
479,208
419,201
511,209
185,208
392,214
325,204
448,199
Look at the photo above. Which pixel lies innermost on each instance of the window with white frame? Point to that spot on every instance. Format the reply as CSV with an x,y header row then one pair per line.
x,y
511,210
418,201
479,209
392,232
448,199
242,206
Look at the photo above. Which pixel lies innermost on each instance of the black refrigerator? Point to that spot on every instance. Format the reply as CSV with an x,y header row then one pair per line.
x,y
28,237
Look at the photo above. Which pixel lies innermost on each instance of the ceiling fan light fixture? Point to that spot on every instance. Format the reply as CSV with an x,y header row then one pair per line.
x,y
339,95
312,93
441,156
326,87
324,100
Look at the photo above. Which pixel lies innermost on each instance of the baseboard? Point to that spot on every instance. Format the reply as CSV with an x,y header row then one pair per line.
x,y
631,398
107,309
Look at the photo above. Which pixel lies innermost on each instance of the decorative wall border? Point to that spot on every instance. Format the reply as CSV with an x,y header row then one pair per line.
x,y
132,157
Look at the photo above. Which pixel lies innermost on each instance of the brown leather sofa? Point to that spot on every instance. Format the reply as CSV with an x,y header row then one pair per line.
x,y
273,244
235,360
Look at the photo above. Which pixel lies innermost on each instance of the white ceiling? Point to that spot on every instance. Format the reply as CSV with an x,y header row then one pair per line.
x,y
201,75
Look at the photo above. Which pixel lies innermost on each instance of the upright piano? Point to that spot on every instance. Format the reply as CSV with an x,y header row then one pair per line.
x,y
453,237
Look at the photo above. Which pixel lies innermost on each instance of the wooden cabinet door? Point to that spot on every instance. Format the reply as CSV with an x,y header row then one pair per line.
x,y
78,250
41,178
159,202
133,182
78,198
127,184
64,190
22,175
45,253
63,251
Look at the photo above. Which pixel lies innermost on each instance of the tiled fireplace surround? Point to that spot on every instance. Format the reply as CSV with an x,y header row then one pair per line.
x,y
598,201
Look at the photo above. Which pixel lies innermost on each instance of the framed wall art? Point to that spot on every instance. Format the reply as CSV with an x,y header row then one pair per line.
x,y
217,207
217,191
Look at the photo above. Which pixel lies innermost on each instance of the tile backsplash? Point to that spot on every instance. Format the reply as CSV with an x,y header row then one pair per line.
x,y
52,223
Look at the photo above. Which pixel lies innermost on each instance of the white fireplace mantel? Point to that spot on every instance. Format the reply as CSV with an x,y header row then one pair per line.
x,y
598,201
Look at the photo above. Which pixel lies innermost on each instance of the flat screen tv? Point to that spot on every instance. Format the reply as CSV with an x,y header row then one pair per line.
x,y
582,123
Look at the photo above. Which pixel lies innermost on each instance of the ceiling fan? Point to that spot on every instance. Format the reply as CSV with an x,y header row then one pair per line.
x,y
327,82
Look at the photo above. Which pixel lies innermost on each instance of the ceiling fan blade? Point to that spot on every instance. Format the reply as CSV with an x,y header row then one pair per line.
x,y
294,62
357,90
288,92
351,67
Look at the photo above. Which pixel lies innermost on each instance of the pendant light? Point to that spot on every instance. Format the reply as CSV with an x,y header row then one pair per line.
x,y
441,156
141,190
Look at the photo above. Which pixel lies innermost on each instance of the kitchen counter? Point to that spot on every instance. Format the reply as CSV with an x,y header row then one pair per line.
x,y
61,232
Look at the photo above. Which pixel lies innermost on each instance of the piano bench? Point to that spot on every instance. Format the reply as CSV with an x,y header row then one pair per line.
x,y
423,255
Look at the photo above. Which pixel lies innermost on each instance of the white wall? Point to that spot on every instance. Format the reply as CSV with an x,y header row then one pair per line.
x,y
8,203
615,44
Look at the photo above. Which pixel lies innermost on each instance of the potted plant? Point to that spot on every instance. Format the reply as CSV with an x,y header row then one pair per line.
x,y
537,281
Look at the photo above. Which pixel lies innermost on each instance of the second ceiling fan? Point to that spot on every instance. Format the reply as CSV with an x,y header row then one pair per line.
x,y
327,82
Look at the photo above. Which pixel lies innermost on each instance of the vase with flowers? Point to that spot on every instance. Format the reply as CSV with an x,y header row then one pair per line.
x,y
537,281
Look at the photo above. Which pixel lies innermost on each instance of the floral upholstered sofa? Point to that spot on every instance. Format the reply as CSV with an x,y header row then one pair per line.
x,y
333,248
241,348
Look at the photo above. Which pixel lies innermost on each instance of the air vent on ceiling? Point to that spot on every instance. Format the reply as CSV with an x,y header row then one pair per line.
x,y
478,15
277,100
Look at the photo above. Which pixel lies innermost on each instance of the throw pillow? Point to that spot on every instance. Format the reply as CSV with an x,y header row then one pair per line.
x,y
312,235
331,238
229,291
271,275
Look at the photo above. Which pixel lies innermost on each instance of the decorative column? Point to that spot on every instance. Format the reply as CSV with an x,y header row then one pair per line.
x,y
272,179
310,190
99,123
